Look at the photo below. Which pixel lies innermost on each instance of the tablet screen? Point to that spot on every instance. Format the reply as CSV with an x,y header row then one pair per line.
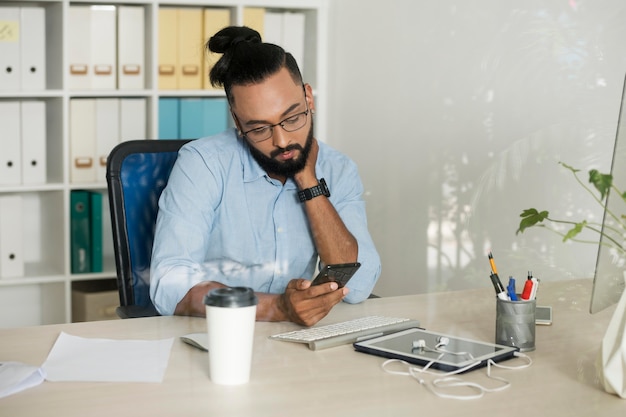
x,y
421,347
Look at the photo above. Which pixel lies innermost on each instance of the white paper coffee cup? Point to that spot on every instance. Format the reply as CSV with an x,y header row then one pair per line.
x,y
230,316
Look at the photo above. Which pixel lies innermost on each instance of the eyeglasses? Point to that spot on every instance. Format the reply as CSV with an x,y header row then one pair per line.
x,y
290,124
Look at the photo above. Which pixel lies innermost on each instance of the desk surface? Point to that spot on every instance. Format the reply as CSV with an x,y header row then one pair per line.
x,y
288,379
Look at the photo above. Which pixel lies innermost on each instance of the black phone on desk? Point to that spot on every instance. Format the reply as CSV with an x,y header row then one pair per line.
x,y
339,273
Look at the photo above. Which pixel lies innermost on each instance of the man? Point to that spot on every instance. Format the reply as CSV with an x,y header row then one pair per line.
x,y
257,205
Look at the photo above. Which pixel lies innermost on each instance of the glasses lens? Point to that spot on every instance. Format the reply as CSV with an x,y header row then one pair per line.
x,y
260,134
295,122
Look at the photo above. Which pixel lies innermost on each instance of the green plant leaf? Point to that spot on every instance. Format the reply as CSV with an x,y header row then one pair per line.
x,y
602,182
571,234
530,217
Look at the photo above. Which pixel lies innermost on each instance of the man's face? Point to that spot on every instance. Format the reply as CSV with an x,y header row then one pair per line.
x,y
273,101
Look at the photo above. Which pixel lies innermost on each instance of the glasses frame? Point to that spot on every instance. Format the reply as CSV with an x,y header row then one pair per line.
x,y
281,123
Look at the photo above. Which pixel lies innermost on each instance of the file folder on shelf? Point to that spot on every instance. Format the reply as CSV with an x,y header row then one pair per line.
x,y
79,47
107,133
34,142
169,118
10,48
132,119
190,49
254,17
131,47
80,235
167,42
33,48
103,47
82,140
95,231
11,232
11,155
215,116
214,20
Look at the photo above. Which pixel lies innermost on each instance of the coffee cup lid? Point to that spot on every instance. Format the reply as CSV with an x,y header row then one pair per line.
x,y
231,297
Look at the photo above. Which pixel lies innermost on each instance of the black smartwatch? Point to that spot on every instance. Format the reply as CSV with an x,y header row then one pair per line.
x,y
309,193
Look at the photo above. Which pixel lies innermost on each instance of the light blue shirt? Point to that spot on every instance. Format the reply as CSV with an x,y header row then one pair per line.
x,y
221,218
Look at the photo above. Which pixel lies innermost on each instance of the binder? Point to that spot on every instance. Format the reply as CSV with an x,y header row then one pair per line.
x,y
190,49
215,116
132,119
34,143
107,132
79,47
10,48
11,232
214,20
191,112
169,110
95,220
80,236
131,47
273,27
254,18
103,47
293,36
33,48
168,42
11,155
82,140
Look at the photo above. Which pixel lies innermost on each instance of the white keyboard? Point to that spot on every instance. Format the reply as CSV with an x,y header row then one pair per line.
x,y
346,332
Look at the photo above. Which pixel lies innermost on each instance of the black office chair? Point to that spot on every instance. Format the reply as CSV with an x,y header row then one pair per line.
x,y
137,172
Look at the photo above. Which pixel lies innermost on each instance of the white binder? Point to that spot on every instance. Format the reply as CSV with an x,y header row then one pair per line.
x,y
11,241
293,36
273,25
33,48
132,119
103,47
107,132
33,127
10,157
79,47
130,48
9,48
82,140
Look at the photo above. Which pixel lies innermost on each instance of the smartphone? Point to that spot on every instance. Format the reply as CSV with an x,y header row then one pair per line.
x,y
543,315
340,273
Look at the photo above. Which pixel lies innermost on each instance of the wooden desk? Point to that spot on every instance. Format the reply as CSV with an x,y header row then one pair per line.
x,y
290,380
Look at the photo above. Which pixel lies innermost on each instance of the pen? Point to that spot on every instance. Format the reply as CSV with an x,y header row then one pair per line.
x,y
497,285
511,289
493,264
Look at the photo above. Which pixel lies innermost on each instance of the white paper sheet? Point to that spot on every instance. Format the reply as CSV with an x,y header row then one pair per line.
x,y
74,358
17,376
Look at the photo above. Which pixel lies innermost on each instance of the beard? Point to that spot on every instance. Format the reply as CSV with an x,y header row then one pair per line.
x,y
284,168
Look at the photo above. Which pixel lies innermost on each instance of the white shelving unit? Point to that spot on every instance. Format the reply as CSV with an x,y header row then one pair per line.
x,y
43,294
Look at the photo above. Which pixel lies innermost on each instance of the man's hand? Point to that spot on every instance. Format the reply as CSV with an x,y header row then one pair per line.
x,y
305,304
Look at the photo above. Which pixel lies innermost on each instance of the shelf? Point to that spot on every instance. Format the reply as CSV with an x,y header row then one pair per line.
x,y
43,294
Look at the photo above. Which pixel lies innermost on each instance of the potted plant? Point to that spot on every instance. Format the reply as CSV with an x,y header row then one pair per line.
x,y
612,358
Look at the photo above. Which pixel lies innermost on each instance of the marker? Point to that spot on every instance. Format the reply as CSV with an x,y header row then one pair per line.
x,y
497,285
530,287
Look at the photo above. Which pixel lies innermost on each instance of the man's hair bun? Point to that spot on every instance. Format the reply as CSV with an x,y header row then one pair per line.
x,y
228,38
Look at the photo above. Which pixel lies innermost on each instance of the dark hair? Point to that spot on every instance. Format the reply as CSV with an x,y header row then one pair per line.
x,y
246,59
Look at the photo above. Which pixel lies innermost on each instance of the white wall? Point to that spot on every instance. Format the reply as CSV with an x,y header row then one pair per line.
x,y
457,113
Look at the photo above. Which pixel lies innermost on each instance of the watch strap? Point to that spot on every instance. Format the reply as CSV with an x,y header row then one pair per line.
x,y
310,193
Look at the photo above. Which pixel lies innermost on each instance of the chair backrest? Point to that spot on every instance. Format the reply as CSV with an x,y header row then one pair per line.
x,y
137,172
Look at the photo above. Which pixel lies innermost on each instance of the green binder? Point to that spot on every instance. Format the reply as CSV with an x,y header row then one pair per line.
x,y
80,232
95,210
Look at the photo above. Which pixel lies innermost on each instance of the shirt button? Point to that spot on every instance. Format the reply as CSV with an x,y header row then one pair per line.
x,y
279,230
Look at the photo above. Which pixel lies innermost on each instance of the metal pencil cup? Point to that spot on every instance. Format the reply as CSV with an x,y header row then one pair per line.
x,y
515,324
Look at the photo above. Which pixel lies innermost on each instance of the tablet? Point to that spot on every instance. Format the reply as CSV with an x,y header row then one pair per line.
x,y
420,347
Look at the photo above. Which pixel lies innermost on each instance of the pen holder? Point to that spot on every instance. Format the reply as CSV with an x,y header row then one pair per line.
x,y
515,323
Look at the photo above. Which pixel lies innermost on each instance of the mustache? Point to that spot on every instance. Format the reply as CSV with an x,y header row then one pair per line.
x,y
291,147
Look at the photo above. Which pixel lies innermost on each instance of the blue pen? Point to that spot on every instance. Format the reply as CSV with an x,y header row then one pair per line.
x,y
511,289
